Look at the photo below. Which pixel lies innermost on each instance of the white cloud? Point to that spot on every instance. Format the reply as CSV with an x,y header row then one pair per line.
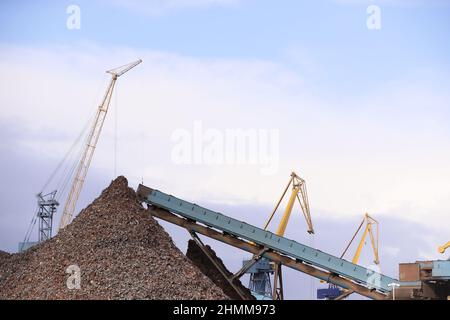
x,y
391,250
387,153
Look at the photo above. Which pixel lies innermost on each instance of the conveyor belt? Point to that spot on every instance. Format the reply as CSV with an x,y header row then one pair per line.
x,y
291,248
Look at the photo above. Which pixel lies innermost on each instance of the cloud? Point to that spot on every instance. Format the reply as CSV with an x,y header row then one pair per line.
x,y
393,251
156,7
386,153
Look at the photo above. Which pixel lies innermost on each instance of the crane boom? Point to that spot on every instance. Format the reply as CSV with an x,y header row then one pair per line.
x,y
373,239
444,247
299,192
94,134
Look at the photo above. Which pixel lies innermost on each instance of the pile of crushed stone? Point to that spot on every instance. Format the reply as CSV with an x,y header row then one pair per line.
x,y
121,253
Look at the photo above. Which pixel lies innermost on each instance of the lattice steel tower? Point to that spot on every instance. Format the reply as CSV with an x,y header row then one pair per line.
x,y
47,208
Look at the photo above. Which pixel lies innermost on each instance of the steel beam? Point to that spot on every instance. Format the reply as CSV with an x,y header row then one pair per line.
x,y
277,293
344,295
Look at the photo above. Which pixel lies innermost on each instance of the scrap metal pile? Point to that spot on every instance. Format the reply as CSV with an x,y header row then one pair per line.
x,y
121,253
3,256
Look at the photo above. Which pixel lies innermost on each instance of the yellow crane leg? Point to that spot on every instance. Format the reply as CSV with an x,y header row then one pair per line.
x,y
287,212
374,246
360,245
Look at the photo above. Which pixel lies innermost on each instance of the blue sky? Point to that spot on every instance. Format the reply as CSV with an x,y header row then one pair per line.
x,y
330,35
362,114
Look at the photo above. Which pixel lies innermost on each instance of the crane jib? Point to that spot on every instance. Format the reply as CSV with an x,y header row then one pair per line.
x,y
94,134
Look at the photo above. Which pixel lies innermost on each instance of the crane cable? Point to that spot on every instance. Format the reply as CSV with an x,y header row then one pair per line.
x,y
30,227
116,111
66,176
65,180
312,244
67,173
65,158
353,238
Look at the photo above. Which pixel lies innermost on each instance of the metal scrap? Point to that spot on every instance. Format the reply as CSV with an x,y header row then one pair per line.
x,y
121,251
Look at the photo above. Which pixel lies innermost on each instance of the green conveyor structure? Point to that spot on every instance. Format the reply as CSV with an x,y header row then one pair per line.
x,y
293,249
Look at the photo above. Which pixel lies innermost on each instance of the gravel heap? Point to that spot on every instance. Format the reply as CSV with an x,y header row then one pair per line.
x,y
198,257
3,256
122,253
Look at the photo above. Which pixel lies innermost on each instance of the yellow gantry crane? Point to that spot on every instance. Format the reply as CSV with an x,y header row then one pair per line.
x,y
371,229
91,143
371,224
299,193
444,247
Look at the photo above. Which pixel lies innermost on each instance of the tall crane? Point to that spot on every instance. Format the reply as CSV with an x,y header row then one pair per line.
x,y
260,274
94,134
371,224
371,228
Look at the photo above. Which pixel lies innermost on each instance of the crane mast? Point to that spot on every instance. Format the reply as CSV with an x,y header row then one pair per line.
x,y
94,134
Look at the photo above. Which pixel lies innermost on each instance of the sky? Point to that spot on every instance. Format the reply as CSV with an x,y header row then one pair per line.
x,y
361,114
